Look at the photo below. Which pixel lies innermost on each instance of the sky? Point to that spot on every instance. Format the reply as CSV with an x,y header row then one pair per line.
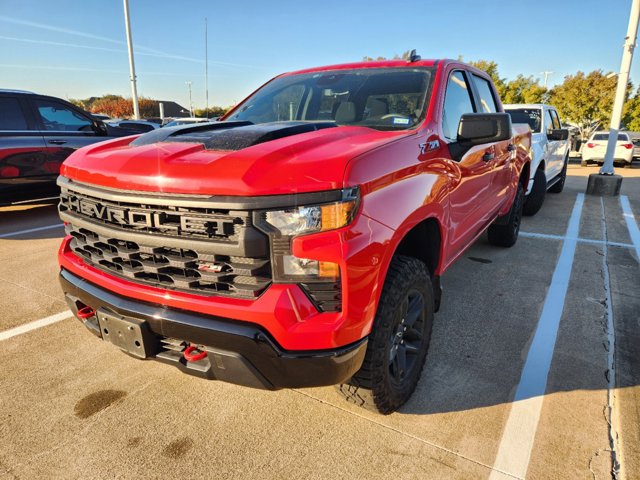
x,y
77,48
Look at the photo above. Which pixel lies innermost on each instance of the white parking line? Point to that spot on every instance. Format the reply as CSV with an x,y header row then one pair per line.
x,y
519,433
581,240
27,327
30,230
632,226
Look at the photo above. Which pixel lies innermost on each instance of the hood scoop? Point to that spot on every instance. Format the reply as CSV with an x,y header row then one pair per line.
x,y
230,135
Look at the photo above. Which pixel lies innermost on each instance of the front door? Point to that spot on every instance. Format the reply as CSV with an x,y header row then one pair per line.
x,y
63,128
470,186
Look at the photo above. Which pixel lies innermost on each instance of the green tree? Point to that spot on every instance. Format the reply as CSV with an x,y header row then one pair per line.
x,y
585,100
631,113
524,90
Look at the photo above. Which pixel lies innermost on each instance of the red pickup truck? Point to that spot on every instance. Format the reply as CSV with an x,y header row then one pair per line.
x,y
300,241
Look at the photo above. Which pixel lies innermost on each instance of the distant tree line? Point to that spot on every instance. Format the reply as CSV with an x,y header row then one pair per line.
x,y
117,106
584,99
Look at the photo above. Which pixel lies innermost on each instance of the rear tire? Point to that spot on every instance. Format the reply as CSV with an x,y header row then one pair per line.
x,y
398,342
506,235
559,185
535,199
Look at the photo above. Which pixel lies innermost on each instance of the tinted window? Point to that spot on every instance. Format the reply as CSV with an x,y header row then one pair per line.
x,y
530,116
382,98
556,119
548,120
457,102
57,117
11,116
622,137
487,102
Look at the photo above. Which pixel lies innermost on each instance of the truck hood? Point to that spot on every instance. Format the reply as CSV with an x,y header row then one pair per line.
x,y
234,159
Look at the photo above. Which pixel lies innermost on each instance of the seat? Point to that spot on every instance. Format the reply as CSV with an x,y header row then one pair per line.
x,y
377,108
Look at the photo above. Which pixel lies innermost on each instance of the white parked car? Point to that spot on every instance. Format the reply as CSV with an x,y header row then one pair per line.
x,y
596,147
550,151
186,121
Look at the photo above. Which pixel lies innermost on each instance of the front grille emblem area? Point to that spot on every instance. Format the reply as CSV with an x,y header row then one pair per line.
x,y
153,219
177,244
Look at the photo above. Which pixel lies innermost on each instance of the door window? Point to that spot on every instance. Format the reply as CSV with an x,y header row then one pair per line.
x,y
11,115
457,102
487,102
59,118
556,120
548,120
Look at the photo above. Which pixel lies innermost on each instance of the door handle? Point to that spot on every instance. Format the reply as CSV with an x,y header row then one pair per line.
x,y
511,147
488,156
57,142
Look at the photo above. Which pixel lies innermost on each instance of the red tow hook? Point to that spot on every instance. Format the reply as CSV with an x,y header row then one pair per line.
x,y
85,312
189,356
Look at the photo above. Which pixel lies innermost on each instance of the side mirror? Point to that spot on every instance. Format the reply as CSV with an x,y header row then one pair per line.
x,y
99,127
559,134
479,128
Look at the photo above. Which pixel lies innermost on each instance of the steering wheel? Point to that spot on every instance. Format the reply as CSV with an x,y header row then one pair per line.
x,y
393,115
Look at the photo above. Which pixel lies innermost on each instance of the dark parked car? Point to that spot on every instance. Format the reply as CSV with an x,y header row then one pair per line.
x,y
37,133
139,126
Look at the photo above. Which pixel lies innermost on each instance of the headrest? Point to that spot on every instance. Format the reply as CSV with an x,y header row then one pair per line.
x,y
346,112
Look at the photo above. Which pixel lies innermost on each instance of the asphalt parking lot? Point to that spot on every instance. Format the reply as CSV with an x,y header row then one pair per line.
x,y
74,407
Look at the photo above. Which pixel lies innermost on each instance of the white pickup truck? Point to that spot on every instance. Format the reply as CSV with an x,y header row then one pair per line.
x,y
550,151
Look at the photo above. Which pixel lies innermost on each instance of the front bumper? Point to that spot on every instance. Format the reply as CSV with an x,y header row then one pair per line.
x,y
237,352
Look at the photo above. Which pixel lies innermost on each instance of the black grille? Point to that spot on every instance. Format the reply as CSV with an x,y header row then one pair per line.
x,y
171,220
327,297
175,268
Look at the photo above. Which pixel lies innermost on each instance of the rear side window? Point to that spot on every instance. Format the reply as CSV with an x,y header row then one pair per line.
x,y
57,117
11,115
457,102
487,102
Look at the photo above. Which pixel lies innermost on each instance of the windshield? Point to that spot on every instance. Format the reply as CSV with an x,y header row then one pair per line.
x,y
530,116
381,98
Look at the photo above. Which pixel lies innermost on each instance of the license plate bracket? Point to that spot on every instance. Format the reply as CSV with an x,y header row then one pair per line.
x,y
129,334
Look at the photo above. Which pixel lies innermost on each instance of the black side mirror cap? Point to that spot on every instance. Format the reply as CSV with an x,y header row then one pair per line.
x,y
558,134
479,128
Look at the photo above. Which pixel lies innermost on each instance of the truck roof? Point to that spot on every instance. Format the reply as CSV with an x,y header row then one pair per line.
x,y
527,105
373,64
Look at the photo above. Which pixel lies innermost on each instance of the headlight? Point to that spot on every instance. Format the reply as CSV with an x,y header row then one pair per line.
x,y
301,220
286,224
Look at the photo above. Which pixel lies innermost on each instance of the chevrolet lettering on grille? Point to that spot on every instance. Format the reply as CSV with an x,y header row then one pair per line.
x,y
135,218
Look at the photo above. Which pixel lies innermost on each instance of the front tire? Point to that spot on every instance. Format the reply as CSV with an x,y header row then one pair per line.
x,y
506,235
398,342
533,203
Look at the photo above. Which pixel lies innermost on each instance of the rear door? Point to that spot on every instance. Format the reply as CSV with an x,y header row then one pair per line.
x,y
64,128
553,146
22,147
470,191
559,151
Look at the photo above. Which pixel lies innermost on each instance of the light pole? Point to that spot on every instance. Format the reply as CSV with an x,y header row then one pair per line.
x,y
621,89
132,67
605,182
546,76
190,101
206,69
